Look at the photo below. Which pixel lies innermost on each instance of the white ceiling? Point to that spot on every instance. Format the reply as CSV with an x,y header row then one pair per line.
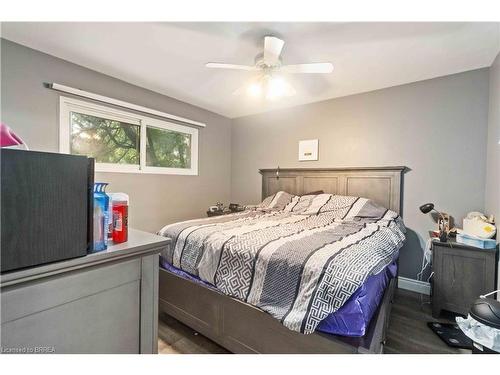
x,y
169,57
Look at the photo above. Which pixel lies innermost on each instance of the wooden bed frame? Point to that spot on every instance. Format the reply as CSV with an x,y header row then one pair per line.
x,y
242,328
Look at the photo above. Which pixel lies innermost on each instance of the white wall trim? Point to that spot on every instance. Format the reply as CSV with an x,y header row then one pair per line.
x,y
414,285
121,103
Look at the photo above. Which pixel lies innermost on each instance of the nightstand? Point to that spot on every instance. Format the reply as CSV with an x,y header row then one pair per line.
x,y
461,274
225,211
219,213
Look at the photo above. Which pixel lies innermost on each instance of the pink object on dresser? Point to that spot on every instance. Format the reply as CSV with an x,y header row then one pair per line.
x,y
8,137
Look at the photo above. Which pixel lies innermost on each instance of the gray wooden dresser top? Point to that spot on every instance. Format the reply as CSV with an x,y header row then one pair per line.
x,y
139,243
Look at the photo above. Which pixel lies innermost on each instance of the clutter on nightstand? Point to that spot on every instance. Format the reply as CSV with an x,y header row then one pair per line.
x,y
443,220
216,210
475,241
478,231
219,209
236,207
478,225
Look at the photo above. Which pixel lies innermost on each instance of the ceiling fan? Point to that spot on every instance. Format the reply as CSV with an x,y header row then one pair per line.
x,y
270,65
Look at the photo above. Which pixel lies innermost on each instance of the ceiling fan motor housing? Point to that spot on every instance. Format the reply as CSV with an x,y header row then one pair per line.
x,y
259,62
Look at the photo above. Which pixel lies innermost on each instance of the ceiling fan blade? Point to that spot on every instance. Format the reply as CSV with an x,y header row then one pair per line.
x,y
272,50
308,68
229,66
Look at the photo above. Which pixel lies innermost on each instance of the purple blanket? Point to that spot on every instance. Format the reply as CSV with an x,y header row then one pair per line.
x,y
353,318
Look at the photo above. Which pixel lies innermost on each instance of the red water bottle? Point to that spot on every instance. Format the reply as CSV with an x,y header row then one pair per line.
x,y
120,217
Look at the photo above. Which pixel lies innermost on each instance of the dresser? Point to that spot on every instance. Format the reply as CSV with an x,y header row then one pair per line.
x,y
461,274
105,302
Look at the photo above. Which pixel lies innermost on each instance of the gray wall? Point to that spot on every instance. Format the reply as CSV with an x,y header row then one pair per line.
x,y
492,199
492,192
437,128
155,200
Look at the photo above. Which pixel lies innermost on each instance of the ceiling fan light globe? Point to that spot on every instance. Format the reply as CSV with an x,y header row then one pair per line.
x,y
276,88
254,90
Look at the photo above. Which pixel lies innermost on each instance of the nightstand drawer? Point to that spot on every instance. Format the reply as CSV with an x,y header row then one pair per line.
x,y
461,274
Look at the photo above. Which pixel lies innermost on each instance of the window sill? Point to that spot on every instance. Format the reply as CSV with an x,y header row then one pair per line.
x,y
148,170
186,173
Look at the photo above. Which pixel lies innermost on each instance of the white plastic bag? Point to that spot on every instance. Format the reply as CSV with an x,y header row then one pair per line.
x,y
480,333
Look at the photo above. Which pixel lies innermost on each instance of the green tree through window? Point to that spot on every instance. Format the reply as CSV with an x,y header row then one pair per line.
x,y
108,141
112,141
167,148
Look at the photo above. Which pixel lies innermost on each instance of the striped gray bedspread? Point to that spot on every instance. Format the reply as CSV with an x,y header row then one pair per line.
x,y
297,258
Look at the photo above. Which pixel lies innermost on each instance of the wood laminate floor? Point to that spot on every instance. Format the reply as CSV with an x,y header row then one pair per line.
x,y
408,331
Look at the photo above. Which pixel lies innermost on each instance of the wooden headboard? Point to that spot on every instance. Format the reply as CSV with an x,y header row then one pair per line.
x,y
381,184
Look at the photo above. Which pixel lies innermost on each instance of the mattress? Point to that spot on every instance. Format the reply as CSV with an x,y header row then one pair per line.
x,y
298,258
352,319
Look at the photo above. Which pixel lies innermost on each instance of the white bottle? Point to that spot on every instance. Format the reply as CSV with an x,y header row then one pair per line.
x,y
109,221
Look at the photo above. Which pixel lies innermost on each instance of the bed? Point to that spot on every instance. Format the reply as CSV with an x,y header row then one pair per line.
x,y
280,278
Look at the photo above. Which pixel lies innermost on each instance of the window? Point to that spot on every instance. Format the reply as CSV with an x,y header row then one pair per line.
x,y
167,148
122,141
107,140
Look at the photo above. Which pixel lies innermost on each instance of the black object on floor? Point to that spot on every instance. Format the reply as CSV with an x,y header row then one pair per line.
x,y
451,335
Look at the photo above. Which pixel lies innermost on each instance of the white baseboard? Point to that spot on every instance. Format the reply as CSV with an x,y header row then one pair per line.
x,y
414,285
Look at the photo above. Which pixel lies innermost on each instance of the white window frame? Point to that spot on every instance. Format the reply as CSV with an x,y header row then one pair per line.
x,y
68,105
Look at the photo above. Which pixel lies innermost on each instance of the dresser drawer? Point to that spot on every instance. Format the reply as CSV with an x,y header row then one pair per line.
x,y
105,322
35,296
94,310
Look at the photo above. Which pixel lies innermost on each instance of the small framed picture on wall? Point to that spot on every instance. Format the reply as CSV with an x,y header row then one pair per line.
x,y
308,150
